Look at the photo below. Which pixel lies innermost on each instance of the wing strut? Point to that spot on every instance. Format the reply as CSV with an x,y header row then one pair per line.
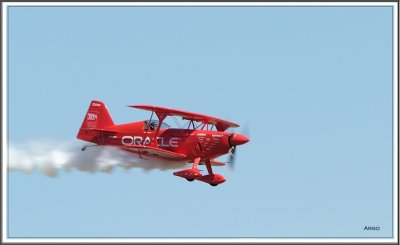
x,y
161,116
211,178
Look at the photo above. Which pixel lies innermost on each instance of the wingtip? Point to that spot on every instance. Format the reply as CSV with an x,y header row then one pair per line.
x,y
134,106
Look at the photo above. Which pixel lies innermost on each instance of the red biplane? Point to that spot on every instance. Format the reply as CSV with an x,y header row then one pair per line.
x,y
201,142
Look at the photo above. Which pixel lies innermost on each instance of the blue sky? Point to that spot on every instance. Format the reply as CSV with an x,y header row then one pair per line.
x,y
313,84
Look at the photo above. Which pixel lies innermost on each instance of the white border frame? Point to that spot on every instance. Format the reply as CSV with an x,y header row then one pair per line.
x,y
4,138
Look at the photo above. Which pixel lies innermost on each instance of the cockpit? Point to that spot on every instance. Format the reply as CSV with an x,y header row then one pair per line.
x,y
153,124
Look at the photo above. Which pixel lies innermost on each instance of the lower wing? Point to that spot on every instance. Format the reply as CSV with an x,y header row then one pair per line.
x,y
214,163
153,151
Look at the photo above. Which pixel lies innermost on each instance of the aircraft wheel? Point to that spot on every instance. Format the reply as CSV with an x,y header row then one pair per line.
x,y
189,179
213,184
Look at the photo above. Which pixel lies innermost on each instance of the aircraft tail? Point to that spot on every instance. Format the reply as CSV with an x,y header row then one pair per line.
x,y
97,118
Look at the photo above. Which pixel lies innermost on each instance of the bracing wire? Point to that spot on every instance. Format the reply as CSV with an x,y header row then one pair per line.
x,y
177,122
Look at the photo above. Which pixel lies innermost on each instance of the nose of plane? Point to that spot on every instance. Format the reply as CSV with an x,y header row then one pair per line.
x,y
238,139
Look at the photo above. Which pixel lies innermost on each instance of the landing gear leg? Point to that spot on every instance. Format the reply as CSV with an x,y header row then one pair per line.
x,y
210,172
209,169
196,162
211,178
191,173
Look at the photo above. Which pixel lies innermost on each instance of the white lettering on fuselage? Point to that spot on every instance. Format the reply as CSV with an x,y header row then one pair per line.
x,y
173,142
138,140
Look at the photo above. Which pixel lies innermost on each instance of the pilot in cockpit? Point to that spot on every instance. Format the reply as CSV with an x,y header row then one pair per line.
x,y
153,125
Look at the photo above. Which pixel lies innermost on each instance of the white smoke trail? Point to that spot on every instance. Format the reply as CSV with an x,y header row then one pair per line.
x,y
51,156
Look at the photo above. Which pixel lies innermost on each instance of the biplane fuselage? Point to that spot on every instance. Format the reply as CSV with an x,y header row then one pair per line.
x,y
199,144
192,143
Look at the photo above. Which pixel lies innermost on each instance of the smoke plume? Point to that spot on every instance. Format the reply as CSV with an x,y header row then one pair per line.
x,y
51,156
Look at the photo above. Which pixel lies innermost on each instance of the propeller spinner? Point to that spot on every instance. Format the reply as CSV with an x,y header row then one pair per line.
x,y
235,140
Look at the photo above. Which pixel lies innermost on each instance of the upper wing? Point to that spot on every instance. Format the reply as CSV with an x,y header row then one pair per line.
x,y
158,152
220,124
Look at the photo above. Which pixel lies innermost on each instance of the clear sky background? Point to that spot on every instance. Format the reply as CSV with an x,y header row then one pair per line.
x,y
313,84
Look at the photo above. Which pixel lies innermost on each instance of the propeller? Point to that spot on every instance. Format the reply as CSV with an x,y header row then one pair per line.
x,y
235,140
231,161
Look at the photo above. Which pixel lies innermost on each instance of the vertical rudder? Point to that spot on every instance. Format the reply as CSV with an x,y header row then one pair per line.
x,y
97,117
